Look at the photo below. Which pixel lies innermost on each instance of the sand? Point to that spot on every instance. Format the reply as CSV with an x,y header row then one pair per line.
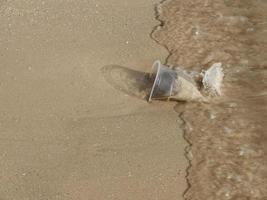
x,y
72,123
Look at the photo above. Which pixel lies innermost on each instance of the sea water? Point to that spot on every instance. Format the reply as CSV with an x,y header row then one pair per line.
x,y
227,137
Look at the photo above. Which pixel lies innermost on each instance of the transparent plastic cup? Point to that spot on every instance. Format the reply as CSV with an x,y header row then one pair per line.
x,y
164,82
172,84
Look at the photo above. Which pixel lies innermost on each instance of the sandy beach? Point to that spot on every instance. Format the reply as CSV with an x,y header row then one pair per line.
x,y
73,124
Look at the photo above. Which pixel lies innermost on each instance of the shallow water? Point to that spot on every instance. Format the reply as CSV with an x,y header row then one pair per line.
x,y
227,137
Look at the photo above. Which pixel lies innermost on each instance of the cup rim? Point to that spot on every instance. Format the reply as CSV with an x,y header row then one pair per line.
x,y
157,64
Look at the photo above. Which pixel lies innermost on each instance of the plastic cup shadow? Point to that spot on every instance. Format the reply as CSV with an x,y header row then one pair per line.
x,y
131,82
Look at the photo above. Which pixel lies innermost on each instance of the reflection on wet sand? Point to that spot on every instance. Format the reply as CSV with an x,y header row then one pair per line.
x,y
228,152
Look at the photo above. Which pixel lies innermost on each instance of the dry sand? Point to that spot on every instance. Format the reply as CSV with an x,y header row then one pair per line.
x,y
69,129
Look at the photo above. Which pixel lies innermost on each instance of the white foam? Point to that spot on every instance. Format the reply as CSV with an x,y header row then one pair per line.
x,y
212,80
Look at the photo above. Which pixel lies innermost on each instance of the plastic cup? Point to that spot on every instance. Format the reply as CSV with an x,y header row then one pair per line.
x,y
164,80
172,84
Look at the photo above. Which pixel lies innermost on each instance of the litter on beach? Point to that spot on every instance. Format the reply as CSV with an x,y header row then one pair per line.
x,y
176,84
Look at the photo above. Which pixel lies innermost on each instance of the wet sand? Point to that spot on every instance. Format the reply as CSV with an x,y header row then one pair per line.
x,y
73,123
228,151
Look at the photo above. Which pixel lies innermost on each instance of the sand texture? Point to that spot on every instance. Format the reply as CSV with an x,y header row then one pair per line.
x,y
73,121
